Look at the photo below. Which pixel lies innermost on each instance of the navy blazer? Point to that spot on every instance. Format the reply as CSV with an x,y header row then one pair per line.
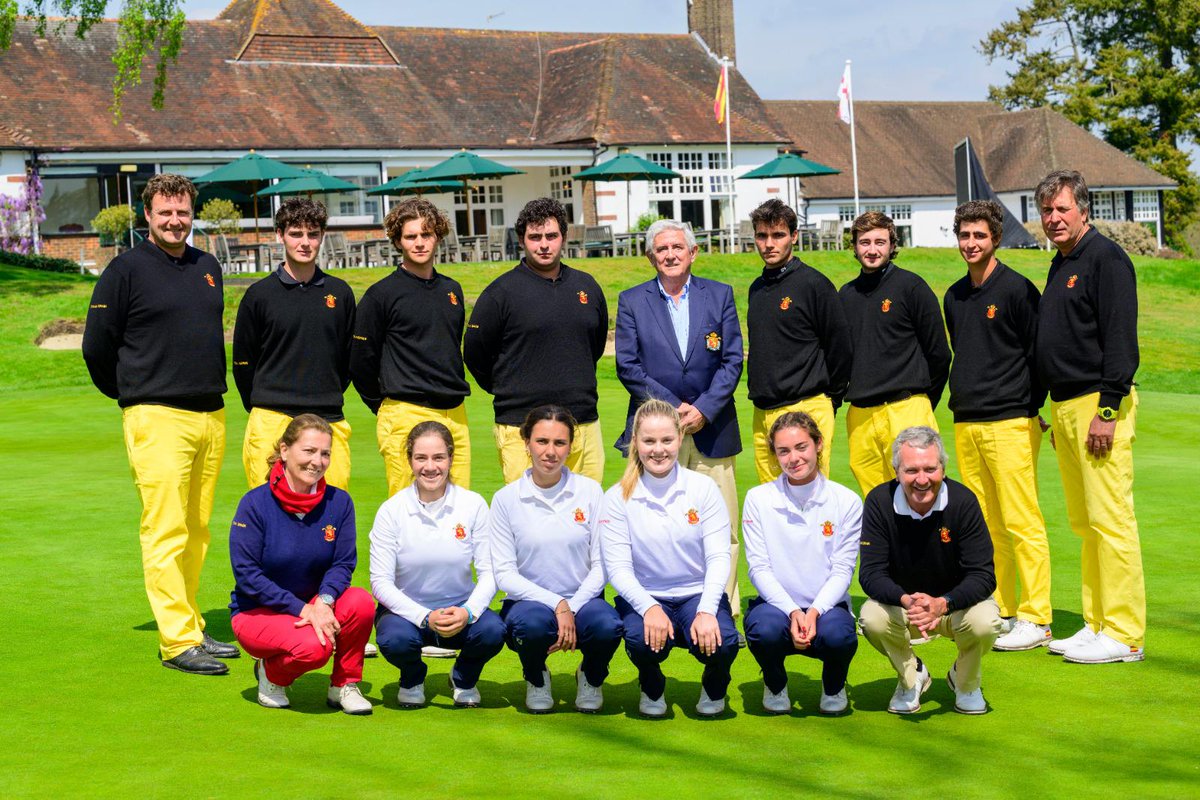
x,y
649,364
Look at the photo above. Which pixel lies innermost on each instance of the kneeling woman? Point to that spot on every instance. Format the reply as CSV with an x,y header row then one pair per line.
x,y
292,548
545,548
666,549
425,540
801,535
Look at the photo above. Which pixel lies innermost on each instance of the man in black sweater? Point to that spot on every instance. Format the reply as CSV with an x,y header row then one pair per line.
x,y
901,359
534,337
926,567
800,345
406,358
1087,354
291,345
995,395
154,342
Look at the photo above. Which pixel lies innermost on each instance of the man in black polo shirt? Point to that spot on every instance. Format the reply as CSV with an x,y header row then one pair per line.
x,y
800,345
1087,354
291,345
534,337
926,567
154,342
901,359
995,395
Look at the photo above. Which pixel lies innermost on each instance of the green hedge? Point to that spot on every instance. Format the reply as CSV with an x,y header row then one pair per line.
x,y
44,263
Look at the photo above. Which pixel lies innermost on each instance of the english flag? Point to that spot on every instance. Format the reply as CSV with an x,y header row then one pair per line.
x,y
721,101
844,97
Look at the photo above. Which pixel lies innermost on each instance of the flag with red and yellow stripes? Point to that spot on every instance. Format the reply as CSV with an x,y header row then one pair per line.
x,y
721,101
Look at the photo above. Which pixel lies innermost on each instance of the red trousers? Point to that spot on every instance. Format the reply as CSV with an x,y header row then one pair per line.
x,y
288,652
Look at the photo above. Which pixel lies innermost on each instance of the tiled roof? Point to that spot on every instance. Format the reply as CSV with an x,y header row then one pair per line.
x,y
906,149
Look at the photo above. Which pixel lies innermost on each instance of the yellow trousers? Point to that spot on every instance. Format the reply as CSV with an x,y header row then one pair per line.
x,y
263,429
175,456
1099,495
721,470
820,408
871,431
998,462
397,418
586,456
972,629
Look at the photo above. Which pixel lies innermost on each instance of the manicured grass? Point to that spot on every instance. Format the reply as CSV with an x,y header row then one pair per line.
x,y
89,712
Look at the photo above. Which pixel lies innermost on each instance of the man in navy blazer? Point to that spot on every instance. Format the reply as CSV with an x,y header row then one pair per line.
x,y
678,340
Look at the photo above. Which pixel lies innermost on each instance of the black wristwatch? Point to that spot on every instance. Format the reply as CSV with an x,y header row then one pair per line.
x,y
949,605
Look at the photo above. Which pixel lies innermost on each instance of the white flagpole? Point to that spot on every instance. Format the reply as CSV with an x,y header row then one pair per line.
x,y
729,163
853,145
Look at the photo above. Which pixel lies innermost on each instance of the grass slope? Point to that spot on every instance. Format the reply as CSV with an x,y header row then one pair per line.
x,y
90,712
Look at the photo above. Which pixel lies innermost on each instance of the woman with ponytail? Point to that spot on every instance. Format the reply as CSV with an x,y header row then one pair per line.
x,y
665,544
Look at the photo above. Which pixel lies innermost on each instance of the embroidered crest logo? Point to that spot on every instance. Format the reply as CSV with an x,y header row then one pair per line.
x,y
693,516
583,298
210,280
945,534
330,533
991,312
330,301
827,529
886,305
460,532
453,298
785,304
712,341
579,517
1071,281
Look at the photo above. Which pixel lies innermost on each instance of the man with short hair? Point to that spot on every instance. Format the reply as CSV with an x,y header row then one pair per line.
x,y
535,336
291,345
901,359
154,342
406,358
678,340
926,568
801,350
1087,355
995,395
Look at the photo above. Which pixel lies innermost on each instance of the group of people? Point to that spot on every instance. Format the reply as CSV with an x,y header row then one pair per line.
x,y
968,561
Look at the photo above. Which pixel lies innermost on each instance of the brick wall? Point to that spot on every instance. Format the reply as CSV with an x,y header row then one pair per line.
x,y
713,20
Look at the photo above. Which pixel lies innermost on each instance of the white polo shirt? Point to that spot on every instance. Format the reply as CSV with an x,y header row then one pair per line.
x,y
802,542
669,540
421,555
545,545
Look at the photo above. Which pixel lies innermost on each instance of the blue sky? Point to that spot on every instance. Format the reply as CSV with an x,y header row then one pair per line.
x,y
916,50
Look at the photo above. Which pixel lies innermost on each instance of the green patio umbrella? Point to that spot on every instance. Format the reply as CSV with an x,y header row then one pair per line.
x,y
313,181
790,165
463,167
626,167
412,182
250,168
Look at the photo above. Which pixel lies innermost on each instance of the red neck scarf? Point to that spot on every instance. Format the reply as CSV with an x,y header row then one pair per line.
x,y
291,501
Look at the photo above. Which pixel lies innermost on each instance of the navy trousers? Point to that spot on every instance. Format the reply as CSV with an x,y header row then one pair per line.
x,y
681,612
400,642
769,637
532,628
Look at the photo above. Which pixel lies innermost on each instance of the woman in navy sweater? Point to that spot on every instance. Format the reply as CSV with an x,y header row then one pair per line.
x,y
292,548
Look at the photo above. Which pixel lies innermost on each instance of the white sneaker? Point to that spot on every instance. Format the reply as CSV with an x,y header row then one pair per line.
x,y
370,651
834,704
411,698
908,701
539,699
777,702
1103,649
652,708
269,695
465,698
1082,636
429,651
588,699
966,702
349,699
1024,635
707,707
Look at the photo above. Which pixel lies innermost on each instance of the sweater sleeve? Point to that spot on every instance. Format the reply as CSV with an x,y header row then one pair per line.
x,y
366,350
874,550
385,550
345,555
1028,322
485,579
593,582
347,339
719,393
247,538
630,369
762,573
714,522
974,551
833,330
481,342
931,337
600,335
618,554
845,554
1116,318
247,347
105,329
503,542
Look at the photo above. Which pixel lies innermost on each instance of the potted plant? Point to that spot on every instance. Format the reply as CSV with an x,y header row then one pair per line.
x,y
113,224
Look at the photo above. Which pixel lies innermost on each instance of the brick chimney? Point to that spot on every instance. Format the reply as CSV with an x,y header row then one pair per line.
x,y
713,21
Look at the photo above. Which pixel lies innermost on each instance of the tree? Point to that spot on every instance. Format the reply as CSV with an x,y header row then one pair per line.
x,y
143,27
1127,68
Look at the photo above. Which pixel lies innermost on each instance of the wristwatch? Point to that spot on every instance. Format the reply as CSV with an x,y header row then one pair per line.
x,y
949,605
327,599
1107,414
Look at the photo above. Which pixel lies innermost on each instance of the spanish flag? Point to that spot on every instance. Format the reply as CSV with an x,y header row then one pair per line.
x,y
721,101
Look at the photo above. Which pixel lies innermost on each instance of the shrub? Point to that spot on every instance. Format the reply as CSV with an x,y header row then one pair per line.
x,y
1034,227
220,217
44,263
1133,237
646,220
